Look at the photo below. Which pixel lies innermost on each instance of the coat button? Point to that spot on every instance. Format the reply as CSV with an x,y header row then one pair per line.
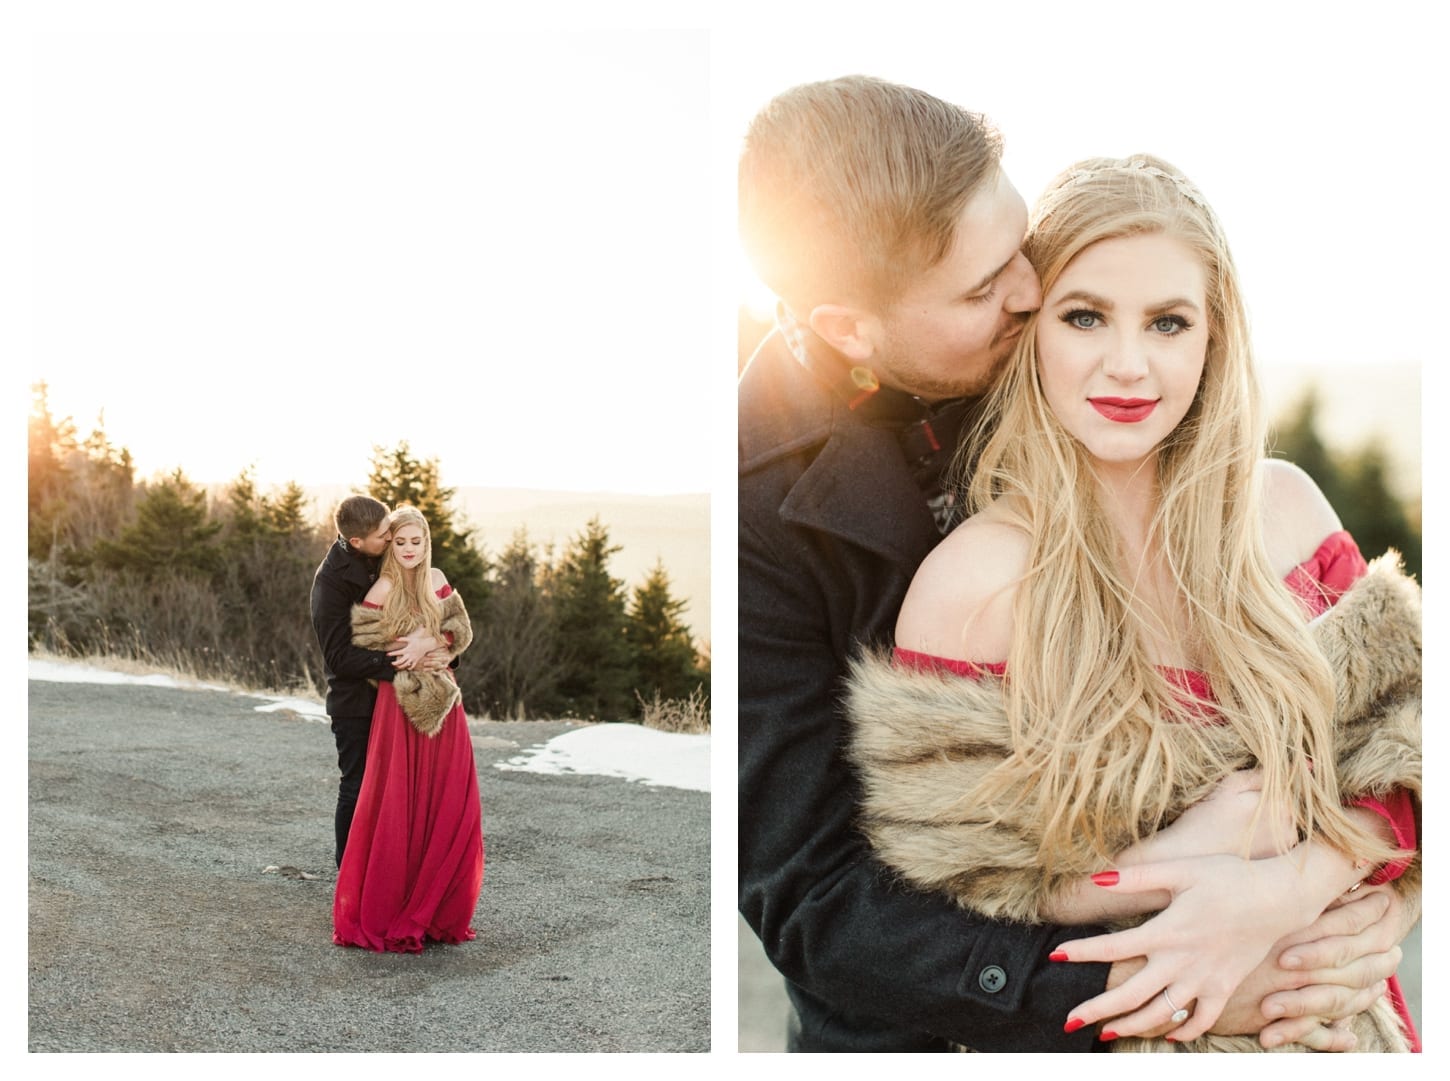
x,y
992,979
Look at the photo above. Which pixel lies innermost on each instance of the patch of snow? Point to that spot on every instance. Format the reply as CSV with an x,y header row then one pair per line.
x,y
65,672
313,711
671,759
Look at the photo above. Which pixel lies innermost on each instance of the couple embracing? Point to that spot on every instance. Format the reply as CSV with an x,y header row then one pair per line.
x,y
409,837
1068,721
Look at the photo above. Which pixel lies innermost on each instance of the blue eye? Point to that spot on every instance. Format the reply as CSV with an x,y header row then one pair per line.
x,y
1170,324
1082,318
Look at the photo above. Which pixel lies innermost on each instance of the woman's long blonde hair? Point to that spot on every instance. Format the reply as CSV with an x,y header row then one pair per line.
x,y
407,608
1102,730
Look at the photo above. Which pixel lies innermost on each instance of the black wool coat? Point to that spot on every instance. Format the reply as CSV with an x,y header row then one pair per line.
x,y
832,528
342,580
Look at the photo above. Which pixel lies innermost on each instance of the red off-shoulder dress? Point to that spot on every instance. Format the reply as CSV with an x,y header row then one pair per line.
x,y
413,866
1318,582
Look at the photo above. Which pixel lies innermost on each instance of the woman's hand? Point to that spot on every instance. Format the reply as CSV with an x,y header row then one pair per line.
x,y
411,651
1225,916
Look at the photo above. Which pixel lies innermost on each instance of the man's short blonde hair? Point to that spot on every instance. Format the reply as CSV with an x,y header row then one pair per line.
x,y
849,189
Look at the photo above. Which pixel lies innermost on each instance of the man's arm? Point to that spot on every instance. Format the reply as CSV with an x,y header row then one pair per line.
x,y
332,621
827,913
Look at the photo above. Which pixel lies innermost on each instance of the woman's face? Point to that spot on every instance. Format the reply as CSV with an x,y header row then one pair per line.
x,y
408,545
1121,343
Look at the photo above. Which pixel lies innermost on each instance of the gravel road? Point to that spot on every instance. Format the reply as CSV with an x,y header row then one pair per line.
x,y
155,926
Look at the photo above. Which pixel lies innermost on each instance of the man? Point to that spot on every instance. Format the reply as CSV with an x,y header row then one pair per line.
x,y
881,219
342,580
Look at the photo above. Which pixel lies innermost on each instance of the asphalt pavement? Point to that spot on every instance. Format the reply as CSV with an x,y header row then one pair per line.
x,y
181,878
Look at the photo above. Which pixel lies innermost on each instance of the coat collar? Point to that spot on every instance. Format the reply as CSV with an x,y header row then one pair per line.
x,y
857,486
351,564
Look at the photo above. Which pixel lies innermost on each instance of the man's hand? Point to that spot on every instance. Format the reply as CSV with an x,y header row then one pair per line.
x,y
413,649
437,659
1318,977
1313,981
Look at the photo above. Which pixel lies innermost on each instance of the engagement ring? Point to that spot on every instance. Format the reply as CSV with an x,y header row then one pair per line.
x,y
1179,1016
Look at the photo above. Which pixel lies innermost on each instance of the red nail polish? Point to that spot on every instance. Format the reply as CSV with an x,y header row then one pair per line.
x,y
1057,955
1105,878
1108,1036
1073,1024
1170,1039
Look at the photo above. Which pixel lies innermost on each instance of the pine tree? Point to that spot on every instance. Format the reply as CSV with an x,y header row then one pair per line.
x,y
172,534
1296,437
102,490
397,478
1371,512
514,651
80,490
287,512
51,443
596,670
664,654
242,509
1355,483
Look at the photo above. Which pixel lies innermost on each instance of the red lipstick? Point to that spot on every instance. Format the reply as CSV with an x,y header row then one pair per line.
x,y
1124,410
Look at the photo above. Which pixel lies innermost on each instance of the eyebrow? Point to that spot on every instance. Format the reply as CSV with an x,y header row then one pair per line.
x,y
1084,297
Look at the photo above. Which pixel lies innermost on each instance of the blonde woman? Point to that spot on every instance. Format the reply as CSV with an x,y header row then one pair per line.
x,y
413,865
1108,703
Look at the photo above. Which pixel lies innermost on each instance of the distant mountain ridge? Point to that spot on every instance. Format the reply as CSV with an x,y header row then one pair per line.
x,y
674,529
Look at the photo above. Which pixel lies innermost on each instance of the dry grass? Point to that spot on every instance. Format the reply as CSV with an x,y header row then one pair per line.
x,y
691,715
180,668
687,715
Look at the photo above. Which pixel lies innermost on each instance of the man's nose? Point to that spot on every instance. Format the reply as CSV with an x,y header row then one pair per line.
x,y
1024,292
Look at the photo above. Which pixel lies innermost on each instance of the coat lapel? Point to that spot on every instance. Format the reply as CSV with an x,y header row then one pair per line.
x,y
858,487
859,490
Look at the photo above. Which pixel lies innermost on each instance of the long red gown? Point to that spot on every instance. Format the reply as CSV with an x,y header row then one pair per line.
x,y
413,865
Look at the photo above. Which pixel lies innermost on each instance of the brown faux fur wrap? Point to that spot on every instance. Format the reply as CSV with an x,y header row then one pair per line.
x,y
426,698
921,740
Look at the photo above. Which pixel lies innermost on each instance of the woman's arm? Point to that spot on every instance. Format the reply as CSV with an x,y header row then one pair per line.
x,y
1220,824
417,644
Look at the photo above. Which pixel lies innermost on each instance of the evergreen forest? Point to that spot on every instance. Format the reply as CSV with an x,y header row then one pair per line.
x,y
216,586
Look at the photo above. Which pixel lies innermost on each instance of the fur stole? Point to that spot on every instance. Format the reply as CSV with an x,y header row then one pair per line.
x,y
426,698
921,741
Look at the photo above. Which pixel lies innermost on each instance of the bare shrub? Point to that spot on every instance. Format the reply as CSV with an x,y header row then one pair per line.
x,y
689,715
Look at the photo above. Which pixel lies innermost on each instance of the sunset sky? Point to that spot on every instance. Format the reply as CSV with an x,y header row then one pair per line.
x,y
280,249
515,248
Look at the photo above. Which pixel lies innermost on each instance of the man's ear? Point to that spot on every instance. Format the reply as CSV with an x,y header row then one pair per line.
x,y
354,542
852,332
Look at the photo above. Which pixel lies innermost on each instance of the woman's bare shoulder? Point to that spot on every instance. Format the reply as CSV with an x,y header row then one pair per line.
x,y
1296,515
437,579
379,591
960,601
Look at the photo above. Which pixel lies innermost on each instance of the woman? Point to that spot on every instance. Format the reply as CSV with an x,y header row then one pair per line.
x,y
1127,563
413,865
